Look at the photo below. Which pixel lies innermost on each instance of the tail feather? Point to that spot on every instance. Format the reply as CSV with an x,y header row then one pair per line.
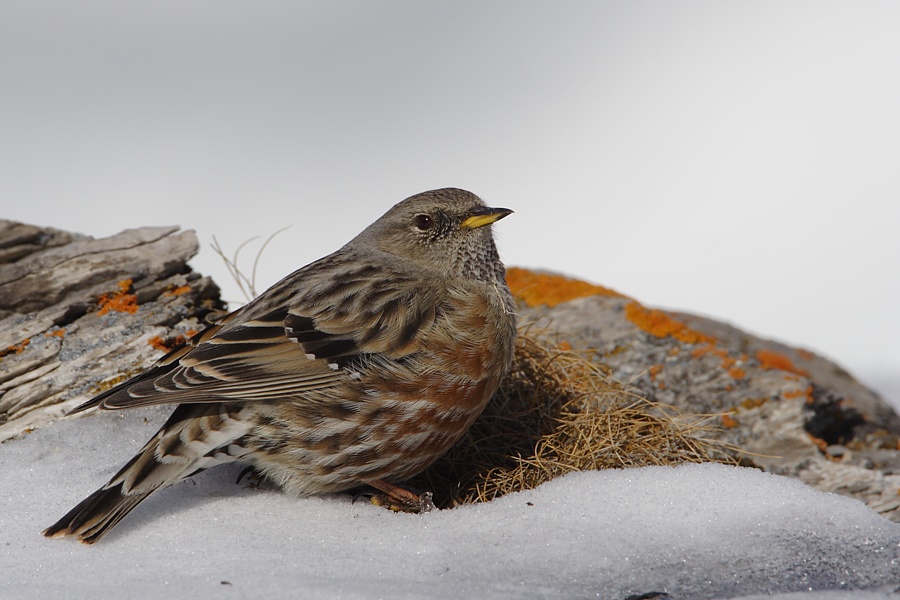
x,y
194,438
96,515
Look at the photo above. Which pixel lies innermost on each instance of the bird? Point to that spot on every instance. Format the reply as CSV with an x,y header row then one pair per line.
x,y
359,369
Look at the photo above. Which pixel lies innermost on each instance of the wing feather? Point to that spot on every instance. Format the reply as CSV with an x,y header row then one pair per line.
x,y
309,343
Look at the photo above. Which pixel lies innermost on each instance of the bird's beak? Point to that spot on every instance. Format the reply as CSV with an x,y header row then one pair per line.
x,y
484,216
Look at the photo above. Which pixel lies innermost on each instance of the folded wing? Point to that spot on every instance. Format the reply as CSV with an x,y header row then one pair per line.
x,y
314,341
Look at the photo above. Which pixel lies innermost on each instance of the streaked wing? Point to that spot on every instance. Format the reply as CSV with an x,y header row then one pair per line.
x,y
379,320
251,361
309,344
364,309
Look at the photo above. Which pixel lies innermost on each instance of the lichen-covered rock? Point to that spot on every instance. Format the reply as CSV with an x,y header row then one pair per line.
x,y
792,412
78,313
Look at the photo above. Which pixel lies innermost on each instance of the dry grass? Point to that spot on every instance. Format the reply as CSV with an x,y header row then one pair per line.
x,y
555,413
247,285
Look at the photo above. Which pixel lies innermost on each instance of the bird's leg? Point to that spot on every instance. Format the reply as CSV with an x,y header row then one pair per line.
x,y
398,499
255,479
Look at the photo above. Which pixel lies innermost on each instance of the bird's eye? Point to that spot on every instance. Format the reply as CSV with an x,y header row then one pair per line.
x,y
424,222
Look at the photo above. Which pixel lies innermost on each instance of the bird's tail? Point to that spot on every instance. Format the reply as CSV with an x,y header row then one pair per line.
x,y
188,443
96,515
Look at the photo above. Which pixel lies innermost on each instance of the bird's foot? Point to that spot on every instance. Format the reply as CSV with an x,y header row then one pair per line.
x,y
254,478
399,499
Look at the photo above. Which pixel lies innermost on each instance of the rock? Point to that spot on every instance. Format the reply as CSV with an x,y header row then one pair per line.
x,y
78,314
784,407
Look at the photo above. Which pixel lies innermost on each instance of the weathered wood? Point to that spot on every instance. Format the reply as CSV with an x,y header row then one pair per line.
x,y
78,313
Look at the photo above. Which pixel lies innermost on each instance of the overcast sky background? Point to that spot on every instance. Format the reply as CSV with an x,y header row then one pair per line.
x,y
739,160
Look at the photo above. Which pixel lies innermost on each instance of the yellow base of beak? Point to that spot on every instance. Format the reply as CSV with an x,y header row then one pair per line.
x,y
488,216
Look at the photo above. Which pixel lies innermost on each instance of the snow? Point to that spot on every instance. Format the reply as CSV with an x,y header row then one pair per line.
x,y
697,531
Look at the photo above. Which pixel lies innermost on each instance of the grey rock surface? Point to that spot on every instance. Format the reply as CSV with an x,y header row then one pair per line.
x,y
791,411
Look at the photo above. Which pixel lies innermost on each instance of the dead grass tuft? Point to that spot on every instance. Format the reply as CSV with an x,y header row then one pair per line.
x,y
556,412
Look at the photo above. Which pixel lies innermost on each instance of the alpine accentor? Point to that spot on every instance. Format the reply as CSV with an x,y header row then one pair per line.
x,y
361,368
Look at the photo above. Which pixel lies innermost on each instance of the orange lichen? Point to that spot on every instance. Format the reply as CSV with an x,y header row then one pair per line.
x,y
701,351
184,289
659,324
790,394
729,421
753,403
737,373
805,354
120,301
535,289
16,348
60,333
728,362
769,359
169,344
158,343
655,370
821,444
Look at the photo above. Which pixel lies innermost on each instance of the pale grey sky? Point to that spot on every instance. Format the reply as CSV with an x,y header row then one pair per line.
x,y
740,160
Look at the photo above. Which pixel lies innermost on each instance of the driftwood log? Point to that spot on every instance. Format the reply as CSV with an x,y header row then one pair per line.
x,y
78,314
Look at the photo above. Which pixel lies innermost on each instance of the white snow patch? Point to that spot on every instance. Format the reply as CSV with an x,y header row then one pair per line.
x,y
696,531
